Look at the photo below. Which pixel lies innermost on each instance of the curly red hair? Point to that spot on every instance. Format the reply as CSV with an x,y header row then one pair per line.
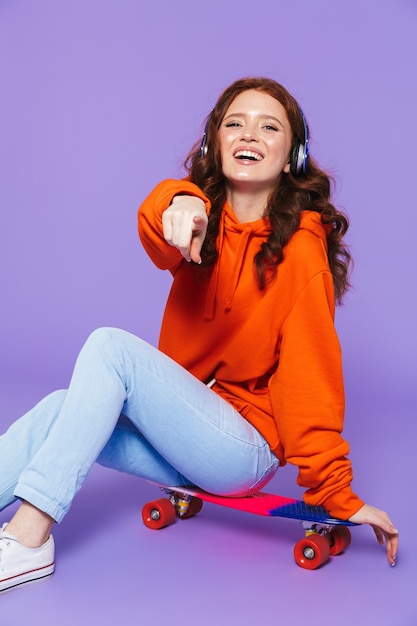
x,y
292,194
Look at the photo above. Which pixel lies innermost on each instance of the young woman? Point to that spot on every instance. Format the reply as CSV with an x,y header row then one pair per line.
x,y
248,372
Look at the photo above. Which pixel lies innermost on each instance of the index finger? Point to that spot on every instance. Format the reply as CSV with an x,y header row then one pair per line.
x,y
392,548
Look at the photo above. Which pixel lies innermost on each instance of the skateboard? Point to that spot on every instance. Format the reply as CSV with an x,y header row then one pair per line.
x,y
325,536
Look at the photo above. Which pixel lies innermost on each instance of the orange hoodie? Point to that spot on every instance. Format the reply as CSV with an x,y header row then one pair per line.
x,y
274,353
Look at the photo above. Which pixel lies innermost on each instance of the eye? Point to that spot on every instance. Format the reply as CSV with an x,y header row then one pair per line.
x,y
233,124
271,127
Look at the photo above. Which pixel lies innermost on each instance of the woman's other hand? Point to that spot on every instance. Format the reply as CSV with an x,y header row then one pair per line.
x,y
383,527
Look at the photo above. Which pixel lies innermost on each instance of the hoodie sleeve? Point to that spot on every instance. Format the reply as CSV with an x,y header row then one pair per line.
x,y
308,400
150,212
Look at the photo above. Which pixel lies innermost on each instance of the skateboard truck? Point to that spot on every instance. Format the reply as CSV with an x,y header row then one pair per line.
x,y
181,501
311,527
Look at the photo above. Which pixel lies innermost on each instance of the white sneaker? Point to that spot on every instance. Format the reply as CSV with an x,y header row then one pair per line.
x,y
19,564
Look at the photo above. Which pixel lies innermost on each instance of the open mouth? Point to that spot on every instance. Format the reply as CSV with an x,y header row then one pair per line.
x,y
248,155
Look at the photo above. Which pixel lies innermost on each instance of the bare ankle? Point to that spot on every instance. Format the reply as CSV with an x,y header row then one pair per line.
x,y
30,526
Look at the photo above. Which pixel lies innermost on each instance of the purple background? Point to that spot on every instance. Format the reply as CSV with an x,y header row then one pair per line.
x,y
101,99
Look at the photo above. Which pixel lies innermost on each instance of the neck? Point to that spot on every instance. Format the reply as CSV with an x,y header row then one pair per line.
x,y
248,206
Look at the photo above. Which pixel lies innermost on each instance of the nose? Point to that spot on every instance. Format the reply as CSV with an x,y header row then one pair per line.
x,y
249,133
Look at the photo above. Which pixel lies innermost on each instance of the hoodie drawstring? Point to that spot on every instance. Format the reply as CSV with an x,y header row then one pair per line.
x,y
234,279
235,274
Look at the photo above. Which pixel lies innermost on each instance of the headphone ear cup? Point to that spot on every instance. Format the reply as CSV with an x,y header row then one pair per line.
x,y
299,153
294,168
203,145
298,161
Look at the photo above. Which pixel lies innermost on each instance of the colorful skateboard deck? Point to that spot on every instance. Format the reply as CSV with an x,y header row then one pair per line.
x,y
267,504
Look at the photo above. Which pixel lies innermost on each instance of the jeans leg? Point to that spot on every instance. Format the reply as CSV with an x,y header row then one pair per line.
x,y
187,424
128,451
22,440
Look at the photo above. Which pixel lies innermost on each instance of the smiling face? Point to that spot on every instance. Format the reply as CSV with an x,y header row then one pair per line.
x,y
255,142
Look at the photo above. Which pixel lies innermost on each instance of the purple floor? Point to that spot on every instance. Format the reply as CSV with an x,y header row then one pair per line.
x,y
223,567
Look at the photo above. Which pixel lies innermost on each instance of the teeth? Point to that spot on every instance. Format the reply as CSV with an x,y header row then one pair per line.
x,y
248,154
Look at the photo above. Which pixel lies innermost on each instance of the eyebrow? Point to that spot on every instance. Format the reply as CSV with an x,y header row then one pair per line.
x,y
263,116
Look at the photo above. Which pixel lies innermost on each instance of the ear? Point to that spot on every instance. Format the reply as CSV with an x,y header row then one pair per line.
x,y
287,167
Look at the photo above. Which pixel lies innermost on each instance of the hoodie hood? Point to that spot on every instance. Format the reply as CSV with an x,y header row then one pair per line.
x,y
311,220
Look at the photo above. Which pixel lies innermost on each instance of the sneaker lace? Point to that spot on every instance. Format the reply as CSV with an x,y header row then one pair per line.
x,y
4,543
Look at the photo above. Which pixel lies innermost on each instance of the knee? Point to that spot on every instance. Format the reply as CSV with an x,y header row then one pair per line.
x,y
48,409
103,336
57,397
107,340
55,400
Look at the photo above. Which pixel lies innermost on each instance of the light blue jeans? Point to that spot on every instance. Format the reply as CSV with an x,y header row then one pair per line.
x,y
130,407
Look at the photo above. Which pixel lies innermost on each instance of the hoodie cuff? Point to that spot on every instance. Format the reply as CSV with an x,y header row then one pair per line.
x,y
342,504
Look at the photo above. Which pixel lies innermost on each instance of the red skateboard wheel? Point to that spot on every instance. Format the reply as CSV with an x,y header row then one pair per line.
x,y
312,551
158,514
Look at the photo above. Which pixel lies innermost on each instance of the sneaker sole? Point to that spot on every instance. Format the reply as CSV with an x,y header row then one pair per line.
x,y
27,577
